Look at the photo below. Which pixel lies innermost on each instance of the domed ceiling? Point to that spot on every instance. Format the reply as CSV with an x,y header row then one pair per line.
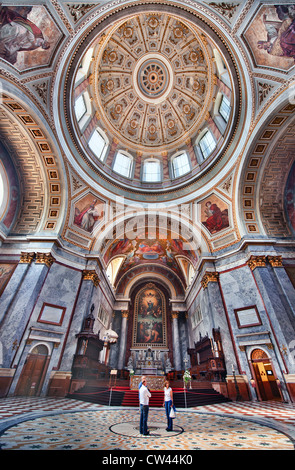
x,y
153,89
152,85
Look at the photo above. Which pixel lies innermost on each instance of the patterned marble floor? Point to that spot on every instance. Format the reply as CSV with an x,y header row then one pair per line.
x,y
64,424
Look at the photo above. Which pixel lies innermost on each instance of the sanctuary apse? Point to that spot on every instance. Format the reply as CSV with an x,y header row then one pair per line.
x,y
147,196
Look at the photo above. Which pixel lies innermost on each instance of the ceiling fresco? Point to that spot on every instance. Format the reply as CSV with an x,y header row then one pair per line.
x,y
154,80
271,36
28,36
157,251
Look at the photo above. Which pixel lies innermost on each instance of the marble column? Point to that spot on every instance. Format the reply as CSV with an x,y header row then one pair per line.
x,y
217,315
284,283
114,349
282,330
20,309
176,345
123,339
14,283
88,283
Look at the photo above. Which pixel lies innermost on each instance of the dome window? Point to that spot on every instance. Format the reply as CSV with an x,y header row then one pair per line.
x,y
152,171
123,164
80,107
224,108
98,144
180,165
207,144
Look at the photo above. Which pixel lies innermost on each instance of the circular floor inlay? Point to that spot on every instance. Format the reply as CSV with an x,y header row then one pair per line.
x,y
131,429
111,429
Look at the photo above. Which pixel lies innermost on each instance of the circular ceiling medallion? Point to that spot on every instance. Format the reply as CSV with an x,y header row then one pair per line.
x,y
153,78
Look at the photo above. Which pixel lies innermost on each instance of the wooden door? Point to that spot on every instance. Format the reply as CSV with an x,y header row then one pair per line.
x,y
32,376
265,377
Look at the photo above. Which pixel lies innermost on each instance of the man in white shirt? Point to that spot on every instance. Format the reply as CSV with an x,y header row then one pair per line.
x,y
144,396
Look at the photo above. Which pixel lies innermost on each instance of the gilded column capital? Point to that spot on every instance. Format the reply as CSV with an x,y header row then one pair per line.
x,y
26,258
125,314
275,261
174,315
209,276
256,261
45,258
90,275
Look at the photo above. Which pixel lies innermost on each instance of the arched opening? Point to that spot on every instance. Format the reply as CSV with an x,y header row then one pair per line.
x,y
150,349
266,381
33,373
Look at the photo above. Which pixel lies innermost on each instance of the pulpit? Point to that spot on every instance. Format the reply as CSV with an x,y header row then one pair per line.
x,y
86,363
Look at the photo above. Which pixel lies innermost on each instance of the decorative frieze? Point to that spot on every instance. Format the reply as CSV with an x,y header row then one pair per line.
x,y
209,277
90,275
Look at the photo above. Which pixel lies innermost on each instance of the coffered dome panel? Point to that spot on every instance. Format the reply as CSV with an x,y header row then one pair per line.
x,y
151,101
154,81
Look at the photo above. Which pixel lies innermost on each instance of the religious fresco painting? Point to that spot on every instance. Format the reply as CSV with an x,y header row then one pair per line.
x,y
149,318
271,36
290,198
28,36
214,214
152,251
89,212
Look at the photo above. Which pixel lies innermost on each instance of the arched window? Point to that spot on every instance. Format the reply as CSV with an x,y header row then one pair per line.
x,y
84,67
4,189
83,109
224,108
207,144
98,143
123,164
151,171
80,107
180,165
113,268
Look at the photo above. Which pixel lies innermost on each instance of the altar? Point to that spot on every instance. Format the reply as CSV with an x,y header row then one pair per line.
x,y
154,382
151,362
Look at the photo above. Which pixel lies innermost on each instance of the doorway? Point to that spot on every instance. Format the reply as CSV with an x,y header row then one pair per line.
x,y
266,381
33,373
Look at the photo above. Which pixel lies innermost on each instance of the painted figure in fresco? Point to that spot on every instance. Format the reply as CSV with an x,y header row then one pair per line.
x,y
18,33
280,34
87,218
216,219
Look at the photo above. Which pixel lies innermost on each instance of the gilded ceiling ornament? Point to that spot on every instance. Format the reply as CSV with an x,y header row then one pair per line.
x,y
152,84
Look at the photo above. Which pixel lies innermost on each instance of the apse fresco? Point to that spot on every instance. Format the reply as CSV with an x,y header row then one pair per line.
x,y
145,250
28,36
214,214
149,317
290,198
89,212
271,36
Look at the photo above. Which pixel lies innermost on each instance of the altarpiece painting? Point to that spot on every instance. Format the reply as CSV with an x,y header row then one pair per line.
x,y
149,328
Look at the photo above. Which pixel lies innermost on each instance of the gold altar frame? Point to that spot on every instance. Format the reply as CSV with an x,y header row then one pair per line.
x,y
147,344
